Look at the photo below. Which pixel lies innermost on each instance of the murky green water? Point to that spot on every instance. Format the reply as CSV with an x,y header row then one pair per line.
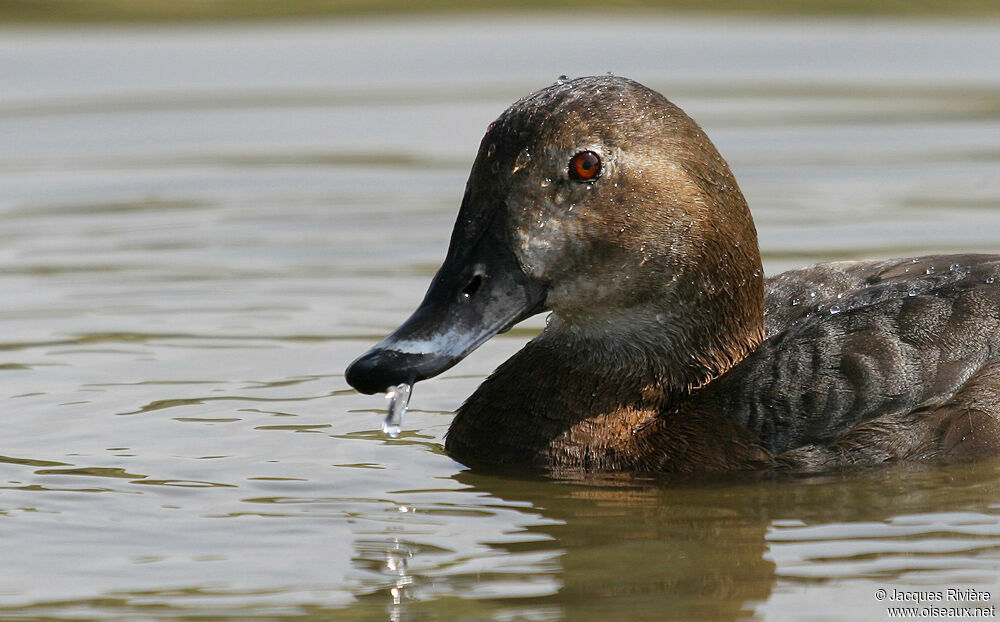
x,y
200,227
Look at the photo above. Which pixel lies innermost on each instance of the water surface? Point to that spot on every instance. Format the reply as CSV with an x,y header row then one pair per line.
x,y
200,228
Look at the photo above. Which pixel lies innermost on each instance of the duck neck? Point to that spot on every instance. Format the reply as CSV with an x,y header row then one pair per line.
x,y
563,400
581,398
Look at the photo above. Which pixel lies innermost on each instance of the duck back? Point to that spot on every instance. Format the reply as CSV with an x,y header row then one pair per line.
x,y
874,361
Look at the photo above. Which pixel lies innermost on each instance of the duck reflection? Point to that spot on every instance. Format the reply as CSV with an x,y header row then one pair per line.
x,y
681,550
675,548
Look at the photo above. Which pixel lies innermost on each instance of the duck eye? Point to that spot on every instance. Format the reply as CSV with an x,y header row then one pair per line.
x,y
585,166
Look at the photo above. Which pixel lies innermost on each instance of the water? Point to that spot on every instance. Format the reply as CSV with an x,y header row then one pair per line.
x,y
399,399
198,226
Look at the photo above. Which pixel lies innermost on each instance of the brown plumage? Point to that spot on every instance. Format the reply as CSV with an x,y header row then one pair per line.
x,y
666,349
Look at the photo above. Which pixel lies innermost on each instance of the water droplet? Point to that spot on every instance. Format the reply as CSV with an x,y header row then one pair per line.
x,y
990,280
954,267
545,183
756,272
930,270
795,302
835,309
812,294
522,160
839,296
492,149
912,292
562,79
661,318
399,399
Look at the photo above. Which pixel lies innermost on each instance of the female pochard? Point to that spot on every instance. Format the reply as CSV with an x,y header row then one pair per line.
x,y
666,349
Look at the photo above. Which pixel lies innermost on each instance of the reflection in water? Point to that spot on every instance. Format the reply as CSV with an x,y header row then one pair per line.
x,y
390,558
709,548
395,562
661,551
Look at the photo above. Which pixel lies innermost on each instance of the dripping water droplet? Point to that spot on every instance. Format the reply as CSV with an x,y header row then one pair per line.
x,y
491,150
399,399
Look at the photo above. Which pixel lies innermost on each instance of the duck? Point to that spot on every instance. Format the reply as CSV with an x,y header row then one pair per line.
x,y
666,349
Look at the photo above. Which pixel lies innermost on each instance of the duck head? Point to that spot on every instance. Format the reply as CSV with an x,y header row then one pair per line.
x,y
599,200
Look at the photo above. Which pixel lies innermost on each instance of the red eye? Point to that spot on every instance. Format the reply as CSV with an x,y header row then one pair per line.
x,y
585,166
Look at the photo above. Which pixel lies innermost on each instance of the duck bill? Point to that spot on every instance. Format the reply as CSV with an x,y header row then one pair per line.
x,y
479,291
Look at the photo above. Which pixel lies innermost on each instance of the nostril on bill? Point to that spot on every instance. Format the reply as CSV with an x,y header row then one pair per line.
x,y
470,290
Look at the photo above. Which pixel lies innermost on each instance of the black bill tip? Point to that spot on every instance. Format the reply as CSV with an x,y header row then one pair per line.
x,y
379,370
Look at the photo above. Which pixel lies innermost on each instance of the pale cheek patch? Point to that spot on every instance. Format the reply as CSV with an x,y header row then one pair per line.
x,y
541,241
